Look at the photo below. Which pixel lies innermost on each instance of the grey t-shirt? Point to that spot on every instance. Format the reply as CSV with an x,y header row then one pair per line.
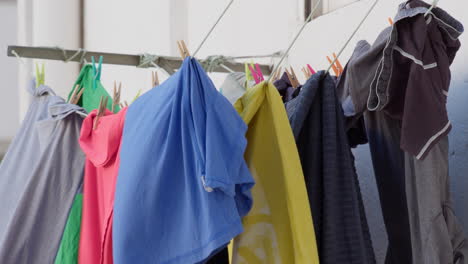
x,y
39,177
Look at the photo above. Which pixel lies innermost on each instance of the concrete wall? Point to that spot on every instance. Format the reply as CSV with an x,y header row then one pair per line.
x,y
9,117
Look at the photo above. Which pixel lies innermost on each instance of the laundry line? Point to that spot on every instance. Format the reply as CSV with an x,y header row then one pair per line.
x,y
168,63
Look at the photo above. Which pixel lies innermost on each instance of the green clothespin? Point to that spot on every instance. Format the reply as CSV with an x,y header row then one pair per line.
x,y
96,71
40,75
248,74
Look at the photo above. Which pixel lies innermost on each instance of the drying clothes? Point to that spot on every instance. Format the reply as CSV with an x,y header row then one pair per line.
x,y
279,228
404,61
357,76
437,235
413,80
285,88
89,100
68,251
91,95
183,184
389,167
39,177
415,198
318,125
221,257
101,147
413,191
233,86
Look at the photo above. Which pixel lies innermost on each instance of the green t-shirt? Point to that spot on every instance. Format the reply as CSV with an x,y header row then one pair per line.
x,y
68,251
93,92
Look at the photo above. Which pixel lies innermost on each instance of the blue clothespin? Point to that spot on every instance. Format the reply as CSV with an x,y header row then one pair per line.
x,y
96,71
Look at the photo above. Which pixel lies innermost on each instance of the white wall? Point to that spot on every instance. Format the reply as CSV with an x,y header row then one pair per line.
x,y
261,27
9,117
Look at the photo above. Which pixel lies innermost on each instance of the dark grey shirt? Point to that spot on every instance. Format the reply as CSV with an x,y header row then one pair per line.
x,y
406,74
340,222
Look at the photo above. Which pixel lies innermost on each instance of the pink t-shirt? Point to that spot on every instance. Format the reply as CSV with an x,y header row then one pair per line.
x,y
102,148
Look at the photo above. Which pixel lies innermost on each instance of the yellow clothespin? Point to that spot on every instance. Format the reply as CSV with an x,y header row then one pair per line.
x,y
154,79
390,20
116,96
40,75
76,95
184,53
101,110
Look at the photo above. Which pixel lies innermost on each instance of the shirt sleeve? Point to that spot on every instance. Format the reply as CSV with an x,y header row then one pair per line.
x,y
225,167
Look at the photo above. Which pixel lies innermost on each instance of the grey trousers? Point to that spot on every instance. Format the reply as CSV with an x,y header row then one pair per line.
x,y
436,234
415,198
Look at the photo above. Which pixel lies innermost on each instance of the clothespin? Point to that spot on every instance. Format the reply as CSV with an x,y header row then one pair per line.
x,y
184,52
335,69
76,95
306,72
154,79
124,104
248,73
390,20
311,70
136,96
101,110
96,71
259,72
338,63
254,74
276,75
292,78
434,4
116,96
40,75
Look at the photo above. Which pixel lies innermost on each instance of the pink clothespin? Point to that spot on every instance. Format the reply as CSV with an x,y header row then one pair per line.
x,y
256,74
259,72
312,71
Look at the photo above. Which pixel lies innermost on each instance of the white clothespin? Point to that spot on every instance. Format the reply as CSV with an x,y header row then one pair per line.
x,y
434,4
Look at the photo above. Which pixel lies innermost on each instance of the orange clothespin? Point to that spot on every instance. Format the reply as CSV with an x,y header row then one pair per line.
x,y
76,95
334,68
101,110
390,20
154,79
293,78
116,96
184,53
338,63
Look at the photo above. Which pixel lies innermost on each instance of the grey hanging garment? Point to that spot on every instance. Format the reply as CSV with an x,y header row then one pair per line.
x,y
39,177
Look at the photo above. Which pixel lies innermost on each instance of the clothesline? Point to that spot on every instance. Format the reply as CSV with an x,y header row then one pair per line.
x,y
168,63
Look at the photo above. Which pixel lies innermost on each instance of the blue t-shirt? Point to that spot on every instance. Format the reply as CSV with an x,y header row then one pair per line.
x,y
183,183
